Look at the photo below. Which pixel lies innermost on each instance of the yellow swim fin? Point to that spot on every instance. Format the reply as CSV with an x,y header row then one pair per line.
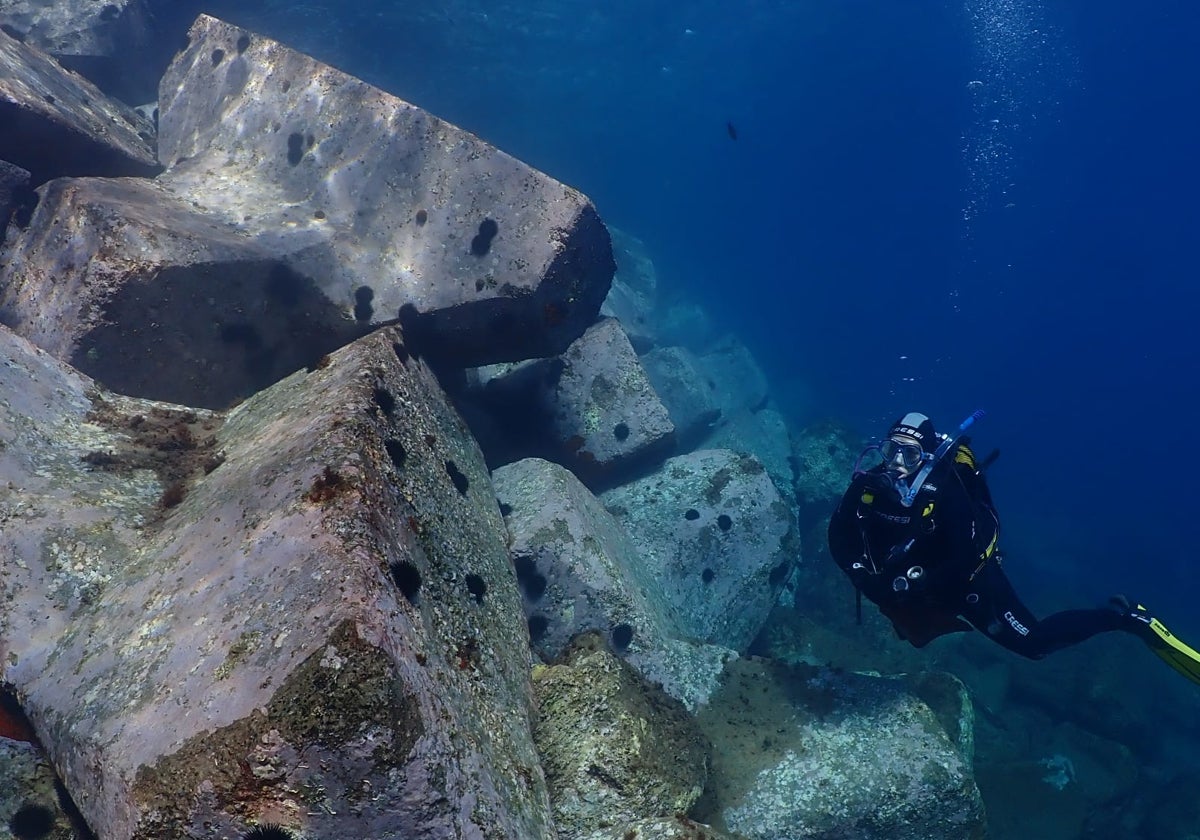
x,y
1167,645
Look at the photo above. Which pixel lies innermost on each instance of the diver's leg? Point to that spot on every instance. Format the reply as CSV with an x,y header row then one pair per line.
x,y
1169,647
993,607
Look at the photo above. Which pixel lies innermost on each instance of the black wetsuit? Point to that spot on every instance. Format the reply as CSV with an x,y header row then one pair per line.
x,y
950,577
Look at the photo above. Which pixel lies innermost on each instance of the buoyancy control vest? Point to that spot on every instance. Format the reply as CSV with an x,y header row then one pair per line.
x,y
944,535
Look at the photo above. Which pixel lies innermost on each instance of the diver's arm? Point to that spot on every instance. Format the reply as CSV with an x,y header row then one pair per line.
x,y
845,536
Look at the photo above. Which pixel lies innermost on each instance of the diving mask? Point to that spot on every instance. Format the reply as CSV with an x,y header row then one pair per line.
x,y
896,456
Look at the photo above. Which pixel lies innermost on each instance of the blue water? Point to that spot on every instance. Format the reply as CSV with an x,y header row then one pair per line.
x,y
938,205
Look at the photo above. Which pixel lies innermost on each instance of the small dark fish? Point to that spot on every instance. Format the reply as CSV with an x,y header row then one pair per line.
x,y
732,129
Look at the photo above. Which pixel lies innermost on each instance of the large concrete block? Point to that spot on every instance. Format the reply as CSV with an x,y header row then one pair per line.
x,y
802,752
715,534
591,409
579,571
577,566
765,435
71,27
155,299
689,396
121,46
301,612
57,123
740,383
385,205
614,748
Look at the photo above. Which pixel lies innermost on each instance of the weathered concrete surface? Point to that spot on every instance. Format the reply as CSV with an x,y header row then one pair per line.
x,y
802,752
676,827
577,567
313,623
765,435
714,532
156,299
122,46
71,27
591,409
57,123
580,571
614,748
604,406
386,205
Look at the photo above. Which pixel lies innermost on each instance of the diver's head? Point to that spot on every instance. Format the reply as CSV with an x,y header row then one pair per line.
x,y
910,442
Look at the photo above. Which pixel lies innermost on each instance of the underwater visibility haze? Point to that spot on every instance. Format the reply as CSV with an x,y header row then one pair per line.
x,y
941,206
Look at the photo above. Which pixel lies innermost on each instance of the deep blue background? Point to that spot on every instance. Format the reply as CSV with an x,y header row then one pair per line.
x,y
879,242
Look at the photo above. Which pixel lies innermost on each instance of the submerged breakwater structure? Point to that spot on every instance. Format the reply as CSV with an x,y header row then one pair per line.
x,y
262,576
362,477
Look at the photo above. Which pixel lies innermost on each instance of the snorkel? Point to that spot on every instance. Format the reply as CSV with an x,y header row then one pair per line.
x,y
909,495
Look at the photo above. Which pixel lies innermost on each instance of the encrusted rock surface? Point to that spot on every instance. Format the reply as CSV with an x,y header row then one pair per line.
x,y
576,565
304,614
763,434
383,204
714,532
661,828
580,571
155,299
951,703
28,798
605,402
804,752
57,123
614,748
824,455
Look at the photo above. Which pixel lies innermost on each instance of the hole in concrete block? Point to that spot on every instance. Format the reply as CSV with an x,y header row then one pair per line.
x,y
622,636
396,451
31,821
482,242
407,578
456,476
477,586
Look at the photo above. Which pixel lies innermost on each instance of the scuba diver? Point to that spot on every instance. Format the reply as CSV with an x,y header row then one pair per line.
x,y
918,534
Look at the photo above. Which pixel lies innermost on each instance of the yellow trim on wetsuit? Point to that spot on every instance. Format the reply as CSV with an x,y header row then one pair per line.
x,y
964,455
991,548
